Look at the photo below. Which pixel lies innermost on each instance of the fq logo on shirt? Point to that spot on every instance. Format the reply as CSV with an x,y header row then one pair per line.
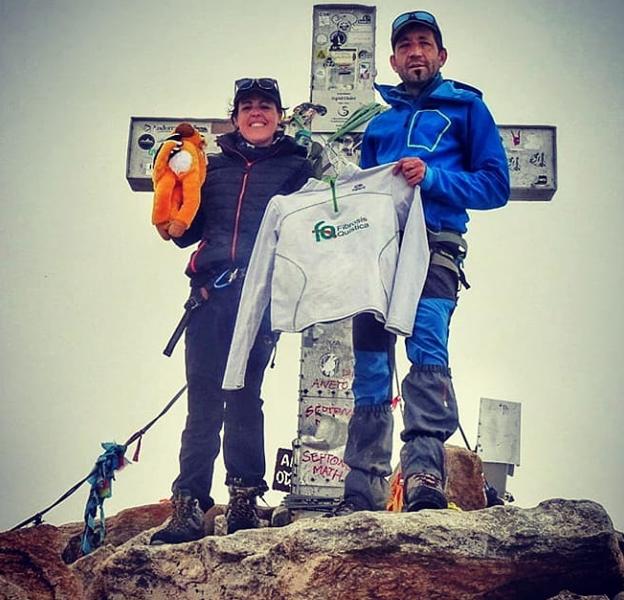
x,y
324,231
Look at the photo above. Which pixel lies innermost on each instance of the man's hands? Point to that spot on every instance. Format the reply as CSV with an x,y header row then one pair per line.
x,y
412,168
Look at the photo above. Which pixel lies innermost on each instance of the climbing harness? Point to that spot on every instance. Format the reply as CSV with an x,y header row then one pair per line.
x,y
197,298
448,250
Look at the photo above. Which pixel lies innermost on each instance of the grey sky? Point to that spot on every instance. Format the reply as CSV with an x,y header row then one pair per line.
x,y
91,293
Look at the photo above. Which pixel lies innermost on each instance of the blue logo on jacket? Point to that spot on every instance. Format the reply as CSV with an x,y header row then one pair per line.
x,y
427,128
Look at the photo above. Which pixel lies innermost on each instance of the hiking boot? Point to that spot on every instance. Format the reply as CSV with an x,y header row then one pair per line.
x,y
281,516
424,490
186,523
241,509
344,508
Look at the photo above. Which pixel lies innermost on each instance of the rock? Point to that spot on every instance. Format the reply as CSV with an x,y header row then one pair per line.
x,y
119,529
567,595
464,474
502,552
31,567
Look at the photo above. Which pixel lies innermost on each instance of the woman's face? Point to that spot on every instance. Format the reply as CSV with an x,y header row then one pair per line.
x,y
257,119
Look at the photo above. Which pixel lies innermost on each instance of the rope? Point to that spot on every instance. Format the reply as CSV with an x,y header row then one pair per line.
x,y
360,116
37,518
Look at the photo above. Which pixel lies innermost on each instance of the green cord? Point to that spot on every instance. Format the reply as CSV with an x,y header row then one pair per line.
x,y
361,115
331,180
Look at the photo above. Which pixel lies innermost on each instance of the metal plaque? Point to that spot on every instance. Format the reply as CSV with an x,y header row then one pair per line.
x,y
532,157
498,437
146,135
343,61
318,451
327,361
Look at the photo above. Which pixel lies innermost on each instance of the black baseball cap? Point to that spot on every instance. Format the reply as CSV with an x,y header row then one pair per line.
x,y
416,17
262,85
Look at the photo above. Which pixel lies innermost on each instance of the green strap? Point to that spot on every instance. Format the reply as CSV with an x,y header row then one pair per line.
x,y
331,180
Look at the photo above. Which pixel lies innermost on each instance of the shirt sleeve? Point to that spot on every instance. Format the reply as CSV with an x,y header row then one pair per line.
x,y
402,195
255,297
412,266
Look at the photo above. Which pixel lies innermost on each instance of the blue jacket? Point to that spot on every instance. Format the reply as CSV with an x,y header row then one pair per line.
x,y
449,127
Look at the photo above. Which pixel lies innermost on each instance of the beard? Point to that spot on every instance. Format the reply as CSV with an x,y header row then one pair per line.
x,y
420,75
416,78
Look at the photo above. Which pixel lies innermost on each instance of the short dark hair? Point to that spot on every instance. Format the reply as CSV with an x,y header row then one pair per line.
x,y
233,110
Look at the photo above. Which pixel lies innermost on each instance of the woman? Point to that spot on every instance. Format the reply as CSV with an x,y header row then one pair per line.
x,y
256,162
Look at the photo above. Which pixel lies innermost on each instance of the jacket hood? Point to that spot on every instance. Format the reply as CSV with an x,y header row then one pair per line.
x,y
446,90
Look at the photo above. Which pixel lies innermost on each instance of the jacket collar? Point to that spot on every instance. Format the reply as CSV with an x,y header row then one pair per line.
x,y
439,89
234,144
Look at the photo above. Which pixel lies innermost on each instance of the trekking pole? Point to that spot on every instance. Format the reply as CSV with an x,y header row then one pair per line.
x,y
177,333
189,306
461,430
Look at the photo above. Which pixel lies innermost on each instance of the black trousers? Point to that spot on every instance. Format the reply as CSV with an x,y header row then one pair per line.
x,y
210,408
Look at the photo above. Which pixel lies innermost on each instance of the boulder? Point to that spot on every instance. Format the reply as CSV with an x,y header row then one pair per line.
x,y
464,478
31,567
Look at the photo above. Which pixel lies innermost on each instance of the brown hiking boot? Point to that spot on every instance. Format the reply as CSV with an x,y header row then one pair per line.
x,y
186,523
423,490
241,511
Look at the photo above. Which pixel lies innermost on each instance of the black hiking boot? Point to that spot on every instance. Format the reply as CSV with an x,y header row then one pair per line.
x,y
423,490
186,523
241,509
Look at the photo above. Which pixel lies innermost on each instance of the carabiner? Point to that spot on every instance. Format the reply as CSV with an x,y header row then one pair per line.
x,y
231,276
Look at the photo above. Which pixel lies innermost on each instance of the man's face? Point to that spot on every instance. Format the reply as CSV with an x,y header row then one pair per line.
x,y
257,119
416,57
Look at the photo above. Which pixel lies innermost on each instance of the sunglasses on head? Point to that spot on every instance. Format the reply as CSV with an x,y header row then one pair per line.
x,y
247,83
417,15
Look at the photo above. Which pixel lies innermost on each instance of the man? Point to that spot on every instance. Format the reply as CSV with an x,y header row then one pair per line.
x,y
444,140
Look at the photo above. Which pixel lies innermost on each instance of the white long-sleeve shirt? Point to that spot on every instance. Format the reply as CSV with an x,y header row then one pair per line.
x,y
318,258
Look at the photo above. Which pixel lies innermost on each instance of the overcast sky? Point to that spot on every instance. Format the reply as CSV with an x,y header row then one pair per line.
x,y
91,293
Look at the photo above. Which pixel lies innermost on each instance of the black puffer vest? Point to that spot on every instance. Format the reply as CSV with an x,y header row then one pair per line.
x,y
240,182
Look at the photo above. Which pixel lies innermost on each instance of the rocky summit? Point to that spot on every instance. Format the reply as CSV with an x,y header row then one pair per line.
x,y
565,549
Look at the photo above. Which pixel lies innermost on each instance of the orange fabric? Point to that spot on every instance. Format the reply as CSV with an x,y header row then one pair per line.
x,y
395,500
177,197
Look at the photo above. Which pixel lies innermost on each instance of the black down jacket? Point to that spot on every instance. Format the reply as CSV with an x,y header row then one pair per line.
x,y
240,182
